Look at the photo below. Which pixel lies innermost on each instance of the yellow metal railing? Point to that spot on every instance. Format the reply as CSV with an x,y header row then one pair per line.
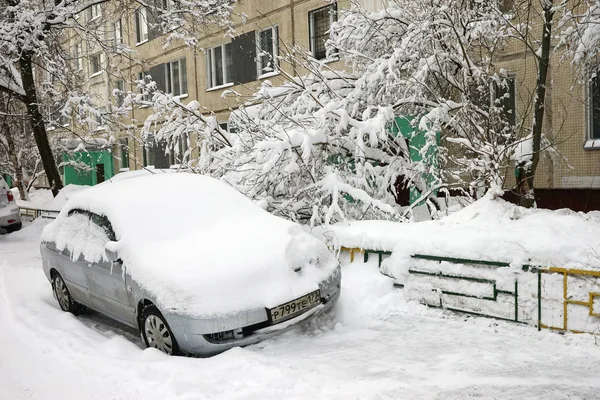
x,y
565,272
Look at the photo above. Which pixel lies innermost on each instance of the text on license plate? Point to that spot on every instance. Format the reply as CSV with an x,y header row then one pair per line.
x,y
295,307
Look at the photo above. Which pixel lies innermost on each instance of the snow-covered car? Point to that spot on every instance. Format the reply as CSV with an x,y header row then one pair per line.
x,y
10,219
197,272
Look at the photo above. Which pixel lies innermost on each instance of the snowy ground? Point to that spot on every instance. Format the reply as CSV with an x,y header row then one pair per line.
x,y
375,347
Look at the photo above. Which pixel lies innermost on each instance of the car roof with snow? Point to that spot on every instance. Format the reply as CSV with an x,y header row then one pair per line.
x,y
162,202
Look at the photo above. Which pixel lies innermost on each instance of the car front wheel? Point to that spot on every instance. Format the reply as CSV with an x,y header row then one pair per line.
x,y
156,332
63,296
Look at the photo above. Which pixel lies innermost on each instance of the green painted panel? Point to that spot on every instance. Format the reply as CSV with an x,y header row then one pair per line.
x,y
96,166
417,140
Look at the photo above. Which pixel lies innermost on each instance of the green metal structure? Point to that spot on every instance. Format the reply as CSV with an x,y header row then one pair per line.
x,y
98,167
417,140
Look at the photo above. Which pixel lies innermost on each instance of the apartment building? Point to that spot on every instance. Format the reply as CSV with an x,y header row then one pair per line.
x,y
240,63
568,174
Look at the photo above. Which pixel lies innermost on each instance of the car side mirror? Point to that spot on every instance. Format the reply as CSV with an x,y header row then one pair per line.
x,y
111,252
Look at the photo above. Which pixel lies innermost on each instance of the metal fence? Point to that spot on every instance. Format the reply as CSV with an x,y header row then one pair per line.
x,y
559,299
33,213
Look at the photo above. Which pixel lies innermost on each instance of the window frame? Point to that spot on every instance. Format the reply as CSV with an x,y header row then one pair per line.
x,y
142,30
91,15
311,26
120,86
118,32
592,142
169,78
211,78
124,152
274,53
93,73
78,55
145,97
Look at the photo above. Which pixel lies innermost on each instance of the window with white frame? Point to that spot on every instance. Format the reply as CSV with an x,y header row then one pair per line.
x,y
319,23
267,42
78,57
118,32
594,107
143,90
219,65
176,77
124,152
93,12
96,63
141,25
120,92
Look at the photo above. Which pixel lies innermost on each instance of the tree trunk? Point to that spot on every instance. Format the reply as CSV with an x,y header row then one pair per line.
x,y
38,124
14,160
526,173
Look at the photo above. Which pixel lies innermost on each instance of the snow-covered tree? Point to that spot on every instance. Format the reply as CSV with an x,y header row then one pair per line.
x,y
18,153
35,47
322,145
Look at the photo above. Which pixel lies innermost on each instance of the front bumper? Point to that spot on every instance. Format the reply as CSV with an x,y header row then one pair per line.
x,y
191,334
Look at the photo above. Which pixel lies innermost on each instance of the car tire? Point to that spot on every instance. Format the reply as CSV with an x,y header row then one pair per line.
x,y
156,332
63,296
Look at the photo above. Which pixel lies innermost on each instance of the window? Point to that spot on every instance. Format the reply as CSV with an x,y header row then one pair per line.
x,y
178,150
93,12
118,29
144,90
141,25
319,22
594,107
124,152
268,49
78,57
176,78
155,154
119,93
219,65
505,98
99,118
103,222
95,63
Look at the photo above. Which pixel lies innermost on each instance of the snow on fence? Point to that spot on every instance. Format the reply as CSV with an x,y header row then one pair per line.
x,y
553,298
34,213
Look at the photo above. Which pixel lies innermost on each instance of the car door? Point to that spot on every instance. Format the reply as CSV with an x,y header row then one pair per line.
x,y
71,263
109,283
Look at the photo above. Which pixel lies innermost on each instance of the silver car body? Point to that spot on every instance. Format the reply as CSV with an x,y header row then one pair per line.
x,y
107,287
10,218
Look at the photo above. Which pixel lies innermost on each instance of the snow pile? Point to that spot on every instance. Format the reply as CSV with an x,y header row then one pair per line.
x,y
489,229
204,248
42,198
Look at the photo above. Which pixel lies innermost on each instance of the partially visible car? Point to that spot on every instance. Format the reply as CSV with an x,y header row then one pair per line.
x,y
197,271
10,220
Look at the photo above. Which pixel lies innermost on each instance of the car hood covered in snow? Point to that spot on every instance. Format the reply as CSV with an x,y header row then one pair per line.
x,y
198,246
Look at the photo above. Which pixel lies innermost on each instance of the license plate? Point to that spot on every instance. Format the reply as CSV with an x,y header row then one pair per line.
x,y
294,307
